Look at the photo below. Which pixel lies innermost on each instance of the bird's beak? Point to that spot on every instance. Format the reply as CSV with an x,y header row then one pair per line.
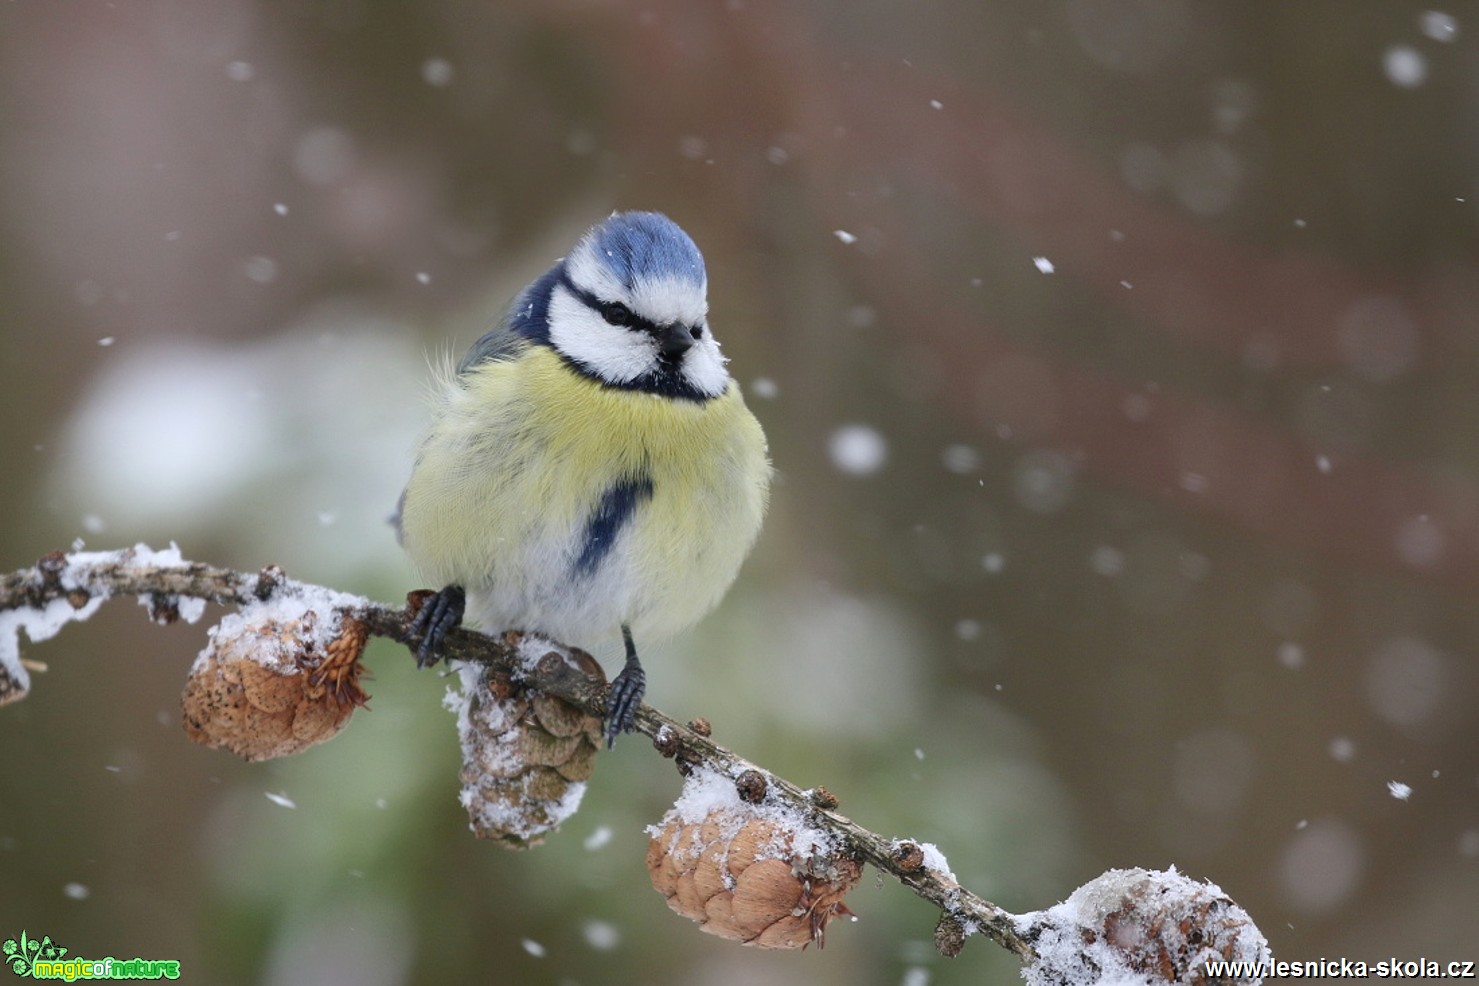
x,y
674,340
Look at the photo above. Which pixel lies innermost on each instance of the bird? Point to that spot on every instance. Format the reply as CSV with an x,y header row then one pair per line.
x,y
591,466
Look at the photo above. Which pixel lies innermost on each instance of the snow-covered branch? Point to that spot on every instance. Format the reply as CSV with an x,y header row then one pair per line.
x,y
750,855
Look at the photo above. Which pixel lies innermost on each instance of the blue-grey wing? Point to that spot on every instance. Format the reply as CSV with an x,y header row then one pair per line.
x,y
497,344
525,322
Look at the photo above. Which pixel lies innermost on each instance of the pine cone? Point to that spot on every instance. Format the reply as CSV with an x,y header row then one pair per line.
x,y
737,869
525,756
272,685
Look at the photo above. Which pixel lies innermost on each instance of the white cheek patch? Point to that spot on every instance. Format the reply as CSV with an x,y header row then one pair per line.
x,y
612,353
703,367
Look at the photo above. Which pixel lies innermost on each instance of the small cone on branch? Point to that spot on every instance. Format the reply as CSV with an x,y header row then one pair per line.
x,y
1145,926
525,756
756,874
273,684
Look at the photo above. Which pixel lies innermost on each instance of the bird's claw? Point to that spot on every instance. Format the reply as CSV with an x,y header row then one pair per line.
x,y
439,616
621,705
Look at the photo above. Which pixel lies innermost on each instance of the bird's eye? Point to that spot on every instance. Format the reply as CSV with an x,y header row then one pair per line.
x,y
697,331
615,313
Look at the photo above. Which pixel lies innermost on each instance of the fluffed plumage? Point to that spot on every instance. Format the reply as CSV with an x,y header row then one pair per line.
x,y
592,467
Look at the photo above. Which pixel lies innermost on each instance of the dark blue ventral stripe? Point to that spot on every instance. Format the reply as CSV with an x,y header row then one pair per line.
x,y
616,507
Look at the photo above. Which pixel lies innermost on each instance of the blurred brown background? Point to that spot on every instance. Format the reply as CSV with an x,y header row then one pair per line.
x,y
1120,362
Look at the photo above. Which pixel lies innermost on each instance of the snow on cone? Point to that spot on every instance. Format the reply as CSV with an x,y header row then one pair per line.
x,y
525,756
1143,926
757,873
275,680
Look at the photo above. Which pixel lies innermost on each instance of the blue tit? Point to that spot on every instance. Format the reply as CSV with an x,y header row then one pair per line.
x,y
592,466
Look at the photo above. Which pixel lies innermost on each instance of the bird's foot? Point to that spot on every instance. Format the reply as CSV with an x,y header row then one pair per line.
x,y
626,695
439,616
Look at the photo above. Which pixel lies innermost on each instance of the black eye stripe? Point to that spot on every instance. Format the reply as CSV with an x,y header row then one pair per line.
x,y
633,320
